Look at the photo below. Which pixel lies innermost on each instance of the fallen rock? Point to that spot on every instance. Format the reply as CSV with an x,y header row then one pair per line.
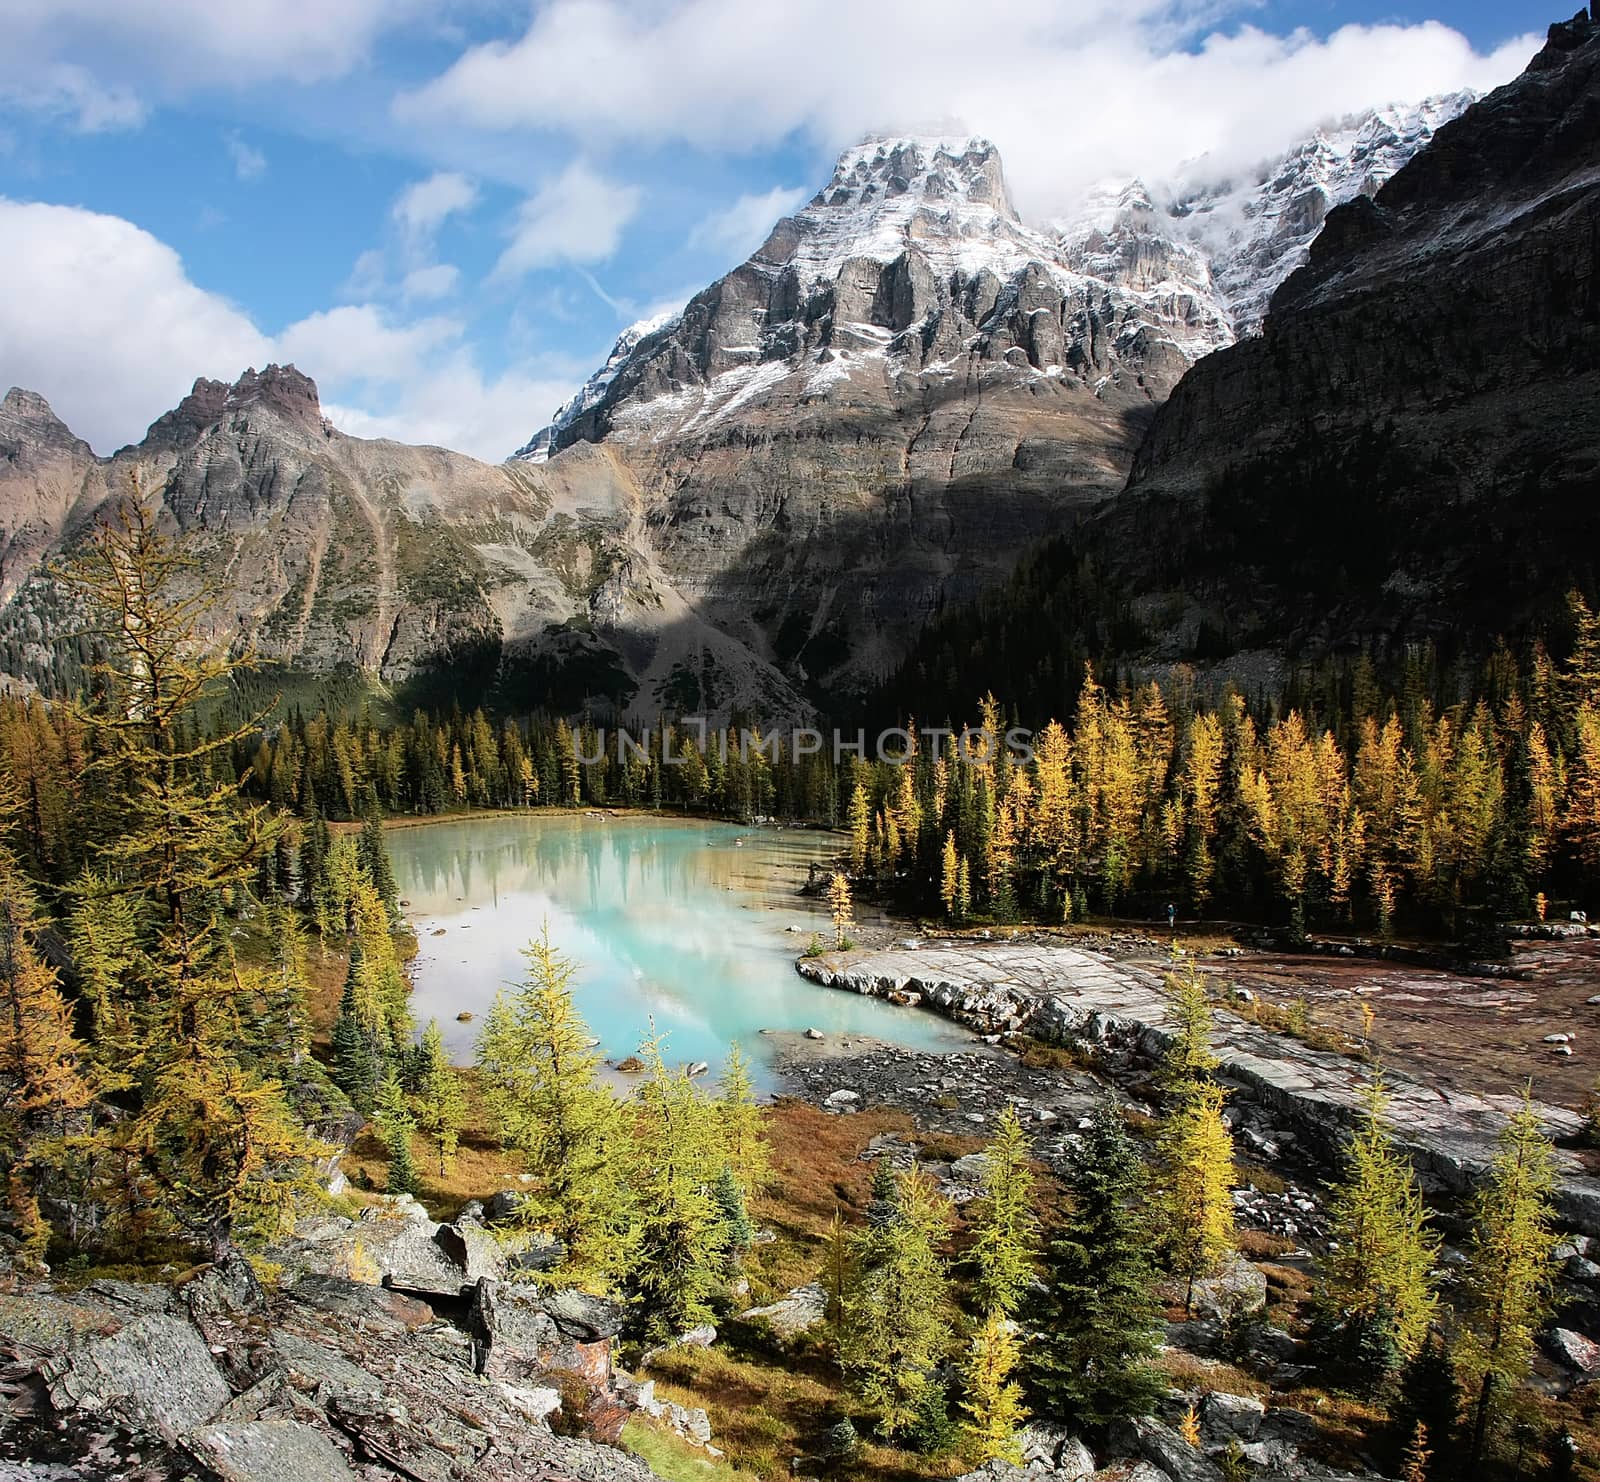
x,y
794,1314
1226,1417
155,1370
1572,1349
269,1451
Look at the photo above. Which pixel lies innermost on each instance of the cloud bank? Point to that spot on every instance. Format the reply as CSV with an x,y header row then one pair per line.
x,y
102,317
1133,87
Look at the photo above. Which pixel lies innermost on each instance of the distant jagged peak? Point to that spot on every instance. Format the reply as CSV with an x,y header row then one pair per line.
x,y
538,448
29,423
283,390
925,167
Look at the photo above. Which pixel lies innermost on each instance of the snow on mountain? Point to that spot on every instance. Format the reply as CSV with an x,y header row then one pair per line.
x,y
537,449
1257,230
912,261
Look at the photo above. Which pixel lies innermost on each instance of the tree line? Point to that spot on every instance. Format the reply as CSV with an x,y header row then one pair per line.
x,y
1361,810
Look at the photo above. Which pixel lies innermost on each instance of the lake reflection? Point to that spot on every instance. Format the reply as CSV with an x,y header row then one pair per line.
x,y
683,921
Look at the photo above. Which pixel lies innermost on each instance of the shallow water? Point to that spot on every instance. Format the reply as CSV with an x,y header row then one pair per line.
x,y
682,921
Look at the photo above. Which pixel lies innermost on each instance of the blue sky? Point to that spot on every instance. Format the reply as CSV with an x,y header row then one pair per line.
x,y
447,211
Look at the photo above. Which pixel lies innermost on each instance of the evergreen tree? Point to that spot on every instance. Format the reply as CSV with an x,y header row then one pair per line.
x,y
393,1118
374,856
1428,1396
994,1399
358,1061
1375,1300
1196,1153
1005,1231
897,1319
745,1143
1510,1273
441,1105
839,906
675,1154
539,1082
738,1234
1097,1323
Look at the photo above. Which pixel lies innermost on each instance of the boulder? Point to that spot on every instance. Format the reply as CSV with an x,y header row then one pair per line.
x,y
1238,1290
268,1451
1227,1417
794,1314
155,1370
514,1337
1571,1349
1163,1448
502,1206
1054,1449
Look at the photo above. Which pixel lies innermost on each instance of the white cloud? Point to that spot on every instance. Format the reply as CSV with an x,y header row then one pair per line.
x,y
421,208
359,343
101,318
1108,87
249,163
65,90
743,226
455,405
577,217
436,281
99,63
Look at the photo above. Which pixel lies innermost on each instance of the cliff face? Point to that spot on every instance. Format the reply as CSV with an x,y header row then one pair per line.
x,y
1412,446
870,420
404,563
873,415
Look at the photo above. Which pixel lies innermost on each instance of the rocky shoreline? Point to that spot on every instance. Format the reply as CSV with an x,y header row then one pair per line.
x,y
1115,1013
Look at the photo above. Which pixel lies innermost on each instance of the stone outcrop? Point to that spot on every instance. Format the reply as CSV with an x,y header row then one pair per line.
x,y
324,1381
1409,450
1068,995
412,565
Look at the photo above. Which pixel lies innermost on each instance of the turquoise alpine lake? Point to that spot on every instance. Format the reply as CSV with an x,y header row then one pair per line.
x,y
680,922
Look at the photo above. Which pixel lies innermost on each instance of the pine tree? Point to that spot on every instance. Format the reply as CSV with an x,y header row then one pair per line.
x,y
738,1234
745,1143
374,856
539,1083
839,906
1416,1463
1189,1061
994,1399
1005,1231
358,1060
1098,1320
859,819
1427,1396
675,1156
1376,1299
441,1105
395,1123
897,1309
1510,1272
1196,1152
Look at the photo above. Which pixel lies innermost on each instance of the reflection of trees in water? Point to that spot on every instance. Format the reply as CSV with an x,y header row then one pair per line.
x,y
610,862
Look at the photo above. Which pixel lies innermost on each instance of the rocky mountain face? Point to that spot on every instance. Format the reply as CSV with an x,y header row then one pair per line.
x,y
1412,446
402,563
906,386
1410,450
755,504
